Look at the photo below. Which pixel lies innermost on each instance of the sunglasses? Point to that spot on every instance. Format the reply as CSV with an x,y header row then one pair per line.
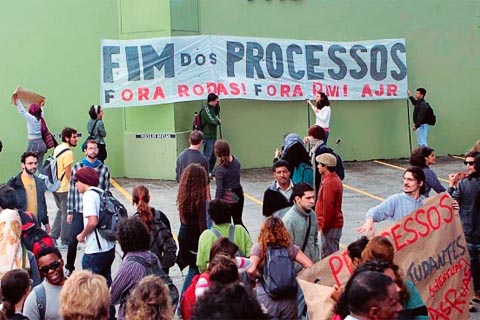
x,y
470,163
51,266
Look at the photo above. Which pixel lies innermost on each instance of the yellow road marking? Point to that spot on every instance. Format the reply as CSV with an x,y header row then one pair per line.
x,y
401,168
457,157
120,189
365,193
252,198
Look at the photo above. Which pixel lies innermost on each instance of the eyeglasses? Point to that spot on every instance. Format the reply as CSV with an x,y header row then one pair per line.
x,y
51,266
469,163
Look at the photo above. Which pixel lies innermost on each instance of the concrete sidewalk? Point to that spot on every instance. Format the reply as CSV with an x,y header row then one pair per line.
x,y
365,185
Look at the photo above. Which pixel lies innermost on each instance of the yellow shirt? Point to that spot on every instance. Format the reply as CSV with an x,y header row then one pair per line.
x,y
65,160
31,190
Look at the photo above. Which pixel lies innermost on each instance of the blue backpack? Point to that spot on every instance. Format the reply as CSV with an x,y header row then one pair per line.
x,y
278,278
303,173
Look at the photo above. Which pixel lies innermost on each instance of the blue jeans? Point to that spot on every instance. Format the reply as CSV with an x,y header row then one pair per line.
x,y
422,133
192,271
208,144
301,304
474,251
100,263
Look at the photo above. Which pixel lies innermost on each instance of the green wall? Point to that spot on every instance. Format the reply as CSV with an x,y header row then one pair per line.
x,y
53,47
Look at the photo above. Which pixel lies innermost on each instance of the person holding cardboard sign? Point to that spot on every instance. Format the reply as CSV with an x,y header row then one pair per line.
x,y
400,204
35,125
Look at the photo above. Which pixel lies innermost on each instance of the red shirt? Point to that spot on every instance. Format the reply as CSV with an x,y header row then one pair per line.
x,y
329,203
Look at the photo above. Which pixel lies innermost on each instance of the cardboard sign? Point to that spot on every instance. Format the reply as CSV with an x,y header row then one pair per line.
x,y
430,249
28,97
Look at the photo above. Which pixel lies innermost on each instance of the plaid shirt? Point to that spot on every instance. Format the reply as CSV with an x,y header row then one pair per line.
x,y
74,200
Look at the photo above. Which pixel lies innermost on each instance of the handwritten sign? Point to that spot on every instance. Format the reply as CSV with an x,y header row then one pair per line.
x,y
430,249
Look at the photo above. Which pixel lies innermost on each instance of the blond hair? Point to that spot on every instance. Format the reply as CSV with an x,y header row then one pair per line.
x,y
149,300
85,296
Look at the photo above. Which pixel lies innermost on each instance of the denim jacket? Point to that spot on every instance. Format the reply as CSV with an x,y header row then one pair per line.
x,y
16,183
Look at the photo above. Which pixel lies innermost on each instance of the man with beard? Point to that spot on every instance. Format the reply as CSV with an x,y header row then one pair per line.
x,y
30,190
64,154
43,302
74,203
398,205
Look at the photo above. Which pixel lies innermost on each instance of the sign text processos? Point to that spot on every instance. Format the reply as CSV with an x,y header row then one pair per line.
x,y
259,60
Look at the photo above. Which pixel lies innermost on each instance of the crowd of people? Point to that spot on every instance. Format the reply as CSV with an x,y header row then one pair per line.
x,y
230,276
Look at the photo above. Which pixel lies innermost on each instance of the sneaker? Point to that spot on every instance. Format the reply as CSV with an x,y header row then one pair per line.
x,y
63,246
476,299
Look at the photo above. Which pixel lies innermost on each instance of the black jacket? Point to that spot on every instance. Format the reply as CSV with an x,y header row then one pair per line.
x,y
419,111
273,201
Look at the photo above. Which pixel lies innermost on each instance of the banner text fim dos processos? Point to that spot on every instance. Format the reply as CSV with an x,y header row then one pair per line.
x,y
165,70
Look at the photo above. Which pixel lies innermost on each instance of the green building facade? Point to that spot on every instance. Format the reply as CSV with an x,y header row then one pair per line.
x,y
53,47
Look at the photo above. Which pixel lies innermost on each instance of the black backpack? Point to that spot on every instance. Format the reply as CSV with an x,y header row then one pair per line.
x,y
162,242
431,118
111,211
278,278
154,269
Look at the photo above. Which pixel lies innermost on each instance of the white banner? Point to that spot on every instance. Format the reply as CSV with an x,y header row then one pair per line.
x,y
164,70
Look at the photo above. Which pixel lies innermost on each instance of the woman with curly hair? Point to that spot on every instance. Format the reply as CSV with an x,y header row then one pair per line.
x,y
158,225
191,203
227,178
274,233
423,157
149,300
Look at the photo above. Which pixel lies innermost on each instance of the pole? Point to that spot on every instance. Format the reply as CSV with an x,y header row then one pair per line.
x,y
308,115
409,127
220,128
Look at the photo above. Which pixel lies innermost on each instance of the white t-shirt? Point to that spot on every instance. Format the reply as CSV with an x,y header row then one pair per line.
x,y
91,207
323,117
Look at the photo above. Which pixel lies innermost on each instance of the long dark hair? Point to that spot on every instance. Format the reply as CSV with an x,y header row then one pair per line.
x,y
323,100
417,158
192,196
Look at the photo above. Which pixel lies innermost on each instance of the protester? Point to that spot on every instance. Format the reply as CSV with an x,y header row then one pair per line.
x,y
30,190
220,213
227,177
35,126
14,255
210,120
50,265
99,252
15,287
149,300
420,110
322,112
380,249
316,136
191,203
398,205
224,266
273,234
293,151
328,207
467,195
75,203
423,157
302,226
228,302
161,240
191,154
96,130
64,154
85,296
278,195
369,295
134,240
